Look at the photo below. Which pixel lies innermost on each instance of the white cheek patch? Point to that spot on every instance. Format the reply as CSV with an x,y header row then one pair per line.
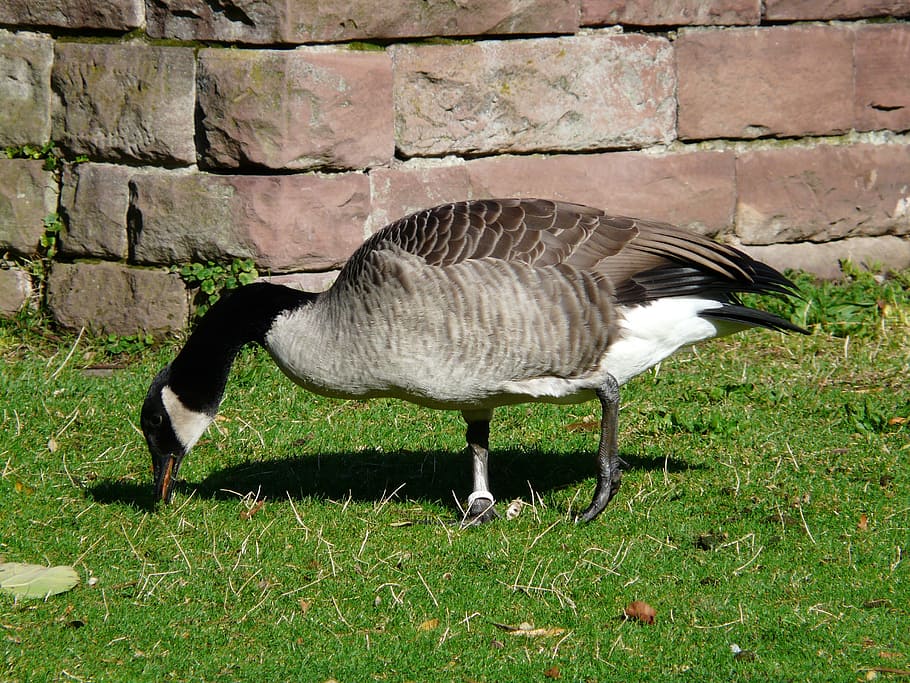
x,y
187,424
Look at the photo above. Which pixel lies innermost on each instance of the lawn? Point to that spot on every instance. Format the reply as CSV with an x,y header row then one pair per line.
x,y
764,515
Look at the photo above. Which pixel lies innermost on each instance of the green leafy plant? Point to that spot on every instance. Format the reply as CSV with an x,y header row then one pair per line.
x,y
210,279
118,345
47,152
53,226
39,267
53,159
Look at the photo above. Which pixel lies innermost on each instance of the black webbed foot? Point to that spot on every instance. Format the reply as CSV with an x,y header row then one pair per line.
x,y
481,509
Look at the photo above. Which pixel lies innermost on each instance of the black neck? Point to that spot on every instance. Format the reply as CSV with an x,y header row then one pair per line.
x,y
199,372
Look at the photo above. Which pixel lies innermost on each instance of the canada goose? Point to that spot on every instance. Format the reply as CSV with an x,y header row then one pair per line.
x,y
469,306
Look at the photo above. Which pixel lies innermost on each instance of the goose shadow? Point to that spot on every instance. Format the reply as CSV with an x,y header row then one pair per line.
x,y
372,476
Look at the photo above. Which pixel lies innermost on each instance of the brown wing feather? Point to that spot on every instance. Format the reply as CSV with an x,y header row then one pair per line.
x,y
540,232
532,231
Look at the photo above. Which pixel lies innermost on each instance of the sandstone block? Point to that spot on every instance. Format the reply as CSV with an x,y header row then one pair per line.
x,y
15,291
824,259
802,10
822,193
112,15
125,102
28,194
309,21
241,21
694,190
595,91
316,21
882,84
749,83
110,298
96,198
284,222
25,88
296,109
670,12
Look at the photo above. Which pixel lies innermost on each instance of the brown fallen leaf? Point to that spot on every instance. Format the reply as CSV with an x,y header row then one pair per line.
x,y
552,672
641,611
898,420
890,670
588,423
257,506
528,630
23,488
863,523
428,625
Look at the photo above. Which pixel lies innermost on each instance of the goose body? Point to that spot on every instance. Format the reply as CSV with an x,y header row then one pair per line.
x,y
470,306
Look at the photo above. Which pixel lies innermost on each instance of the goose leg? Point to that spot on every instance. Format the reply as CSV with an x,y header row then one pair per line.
x,y
481,501
609,474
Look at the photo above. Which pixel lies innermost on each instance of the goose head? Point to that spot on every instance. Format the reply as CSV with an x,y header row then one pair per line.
x,y
171,428
184,397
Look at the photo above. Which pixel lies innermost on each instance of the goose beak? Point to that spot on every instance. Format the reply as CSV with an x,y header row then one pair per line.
x,y
165,466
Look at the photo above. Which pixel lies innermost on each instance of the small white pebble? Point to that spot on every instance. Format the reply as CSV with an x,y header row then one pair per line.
x,y
92,581
514,509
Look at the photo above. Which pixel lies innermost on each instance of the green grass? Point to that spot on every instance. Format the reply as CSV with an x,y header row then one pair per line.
x,y
767,506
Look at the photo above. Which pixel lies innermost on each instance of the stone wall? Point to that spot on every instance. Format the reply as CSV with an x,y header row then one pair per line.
x,y
287,131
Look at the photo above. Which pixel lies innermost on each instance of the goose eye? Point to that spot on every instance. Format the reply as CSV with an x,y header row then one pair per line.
x,y
156,420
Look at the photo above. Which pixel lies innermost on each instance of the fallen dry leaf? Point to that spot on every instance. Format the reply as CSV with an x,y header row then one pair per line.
x,y
641,611
863,523
23,488
528,630
552,672
898,421
428,625
588,423
24,580
889,670
257,506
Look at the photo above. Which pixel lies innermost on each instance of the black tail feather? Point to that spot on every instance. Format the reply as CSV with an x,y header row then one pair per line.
x,y
751,317
680,280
